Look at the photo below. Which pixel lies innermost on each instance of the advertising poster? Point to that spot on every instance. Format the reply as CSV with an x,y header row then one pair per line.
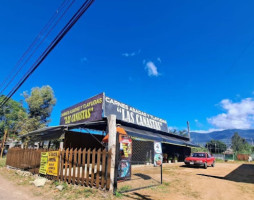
x,y
124,166
124,170
158,158
53,163
43,163
126,147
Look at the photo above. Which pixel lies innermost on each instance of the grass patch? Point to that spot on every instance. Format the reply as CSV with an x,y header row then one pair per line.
x,y
166,183
124,188
2,162
219,160
118,195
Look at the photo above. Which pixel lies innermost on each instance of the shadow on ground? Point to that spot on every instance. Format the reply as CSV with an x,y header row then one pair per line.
x,y
143,176
193,166
244,173
138,196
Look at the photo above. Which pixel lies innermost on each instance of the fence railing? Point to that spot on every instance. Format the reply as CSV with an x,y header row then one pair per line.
x,y
243,157
85,167
26,159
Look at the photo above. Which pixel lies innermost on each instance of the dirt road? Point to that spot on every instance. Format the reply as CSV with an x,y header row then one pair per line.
x,y
224,181
10,191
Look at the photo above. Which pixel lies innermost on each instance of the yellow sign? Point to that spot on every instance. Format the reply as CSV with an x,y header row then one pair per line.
x,y
53,163
44,162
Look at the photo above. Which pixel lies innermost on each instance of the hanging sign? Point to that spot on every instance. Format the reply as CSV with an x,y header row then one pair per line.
x,y
124,166
43,163
157,154
53,163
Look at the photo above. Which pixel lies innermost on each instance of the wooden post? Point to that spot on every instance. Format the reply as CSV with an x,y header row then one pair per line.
x,y
61,146
112,146
4,138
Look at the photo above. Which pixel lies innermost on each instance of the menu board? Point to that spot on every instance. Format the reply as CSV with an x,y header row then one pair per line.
x,y
52,163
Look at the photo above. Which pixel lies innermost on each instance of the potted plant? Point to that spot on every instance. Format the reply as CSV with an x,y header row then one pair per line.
x,y
175,159
169,159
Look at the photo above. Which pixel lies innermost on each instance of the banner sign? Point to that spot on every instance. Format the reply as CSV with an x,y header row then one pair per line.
x,y
157,154
124,166
132,115
89,110
53,163
43,163
99,106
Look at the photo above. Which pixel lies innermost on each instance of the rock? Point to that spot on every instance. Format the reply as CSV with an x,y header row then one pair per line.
x,y
27,174
39,182
23,173
60,187
35,176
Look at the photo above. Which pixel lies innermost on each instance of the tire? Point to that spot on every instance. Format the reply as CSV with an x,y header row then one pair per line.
x,y
205,165
213,165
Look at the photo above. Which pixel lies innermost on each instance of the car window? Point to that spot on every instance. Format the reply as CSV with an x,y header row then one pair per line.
x,y
199,155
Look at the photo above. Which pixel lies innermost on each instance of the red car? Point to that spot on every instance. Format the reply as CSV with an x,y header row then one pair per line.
x,y
200,159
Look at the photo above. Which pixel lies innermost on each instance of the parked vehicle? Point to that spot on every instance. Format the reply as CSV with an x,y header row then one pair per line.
x,y
200,159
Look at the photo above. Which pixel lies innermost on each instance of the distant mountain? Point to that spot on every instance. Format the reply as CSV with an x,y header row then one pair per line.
x,y
224,136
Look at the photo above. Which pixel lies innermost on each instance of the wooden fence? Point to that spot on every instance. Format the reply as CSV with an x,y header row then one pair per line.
x,y
244,157
86,167
26,159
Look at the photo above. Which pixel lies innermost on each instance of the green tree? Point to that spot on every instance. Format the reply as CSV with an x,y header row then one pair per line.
x,y
179,132
183,133
198,149
40,104
239,144
10,114
216,146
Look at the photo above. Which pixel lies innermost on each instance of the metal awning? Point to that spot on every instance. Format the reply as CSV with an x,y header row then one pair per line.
x,y
55,132
148,135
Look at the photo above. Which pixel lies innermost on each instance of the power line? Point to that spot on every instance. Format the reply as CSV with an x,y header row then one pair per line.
x,y
49,48
52,45
44,29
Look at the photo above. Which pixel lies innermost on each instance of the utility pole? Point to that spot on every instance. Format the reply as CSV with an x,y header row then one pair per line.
x,y
3,142
188,128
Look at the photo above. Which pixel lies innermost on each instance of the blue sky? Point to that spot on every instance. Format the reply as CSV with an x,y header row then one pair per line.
x,y
178,60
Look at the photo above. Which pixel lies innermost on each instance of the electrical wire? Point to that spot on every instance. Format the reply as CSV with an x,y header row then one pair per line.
x,y
52,45
37,38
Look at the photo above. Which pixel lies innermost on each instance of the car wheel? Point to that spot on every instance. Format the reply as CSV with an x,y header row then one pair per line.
x,y
205,165
213,165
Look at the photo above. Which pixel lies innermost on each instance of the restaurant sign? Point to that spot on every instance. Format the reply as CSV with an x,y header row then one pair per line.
x,y
132,115
100,106
88,110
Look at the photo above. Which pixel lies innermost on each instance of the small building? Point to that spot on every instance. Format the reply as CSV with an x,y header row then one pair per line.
x,y
84,125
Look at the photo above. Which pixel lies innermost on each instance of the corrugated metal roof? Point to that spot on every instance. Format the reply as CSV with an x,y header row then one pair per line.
x,y
149,135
